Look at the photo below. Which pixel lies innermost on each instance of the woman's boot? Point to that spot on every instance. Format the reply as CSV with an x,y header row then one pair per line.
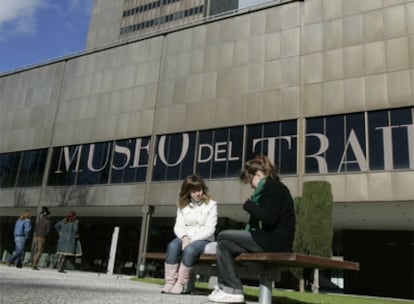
x,y
183,276
170,277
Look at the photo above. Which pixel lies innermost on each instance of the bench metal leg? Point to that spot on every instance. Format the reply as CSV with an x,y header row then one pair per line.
x,y
315,285
212,282
190,286
265,290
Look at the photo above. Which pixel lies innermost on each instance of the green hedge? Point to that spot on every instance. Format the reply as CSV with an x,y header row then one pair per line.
x,y
314,227
314,223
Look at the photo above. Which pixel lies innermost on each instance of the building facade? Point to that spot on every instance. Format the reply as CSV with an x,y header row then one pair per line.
x,y
112,21
324,88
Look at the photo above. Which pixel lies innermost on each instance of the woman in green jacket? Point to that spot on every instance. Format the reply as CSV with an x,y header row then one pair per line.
x,y
271,227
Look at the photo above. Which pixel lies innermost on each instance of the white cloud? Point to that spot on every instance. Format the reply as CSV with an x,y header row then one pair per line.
x,y
19,15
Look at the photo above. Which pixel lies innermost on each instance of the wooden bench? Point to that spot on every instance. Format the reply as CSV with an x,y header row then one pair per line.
x,y
265,267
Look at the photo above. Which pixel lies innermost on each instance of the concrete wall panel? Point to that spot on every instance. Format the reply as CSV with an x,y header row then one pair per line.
x,y
28,103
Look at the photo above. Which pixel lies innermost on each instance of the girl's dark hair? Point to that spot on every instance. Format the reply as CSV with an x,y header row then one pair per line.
x,y
192,183
262,163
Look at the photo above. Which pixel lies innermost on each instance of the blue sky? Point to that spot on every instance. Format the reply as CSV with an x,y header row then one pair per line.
x,y
35,31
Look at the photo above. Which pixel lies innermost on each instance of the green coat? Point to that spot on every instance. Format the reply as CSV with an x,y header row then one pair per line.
x,y
68,243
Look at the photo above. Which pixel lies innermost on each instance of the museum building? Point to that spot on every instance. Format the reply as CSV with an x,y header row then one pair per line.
x,y
325,88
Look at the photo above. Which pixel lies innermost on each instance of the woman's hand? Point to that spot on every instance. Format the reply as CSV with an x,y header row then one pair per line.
x,y
247,205
185,241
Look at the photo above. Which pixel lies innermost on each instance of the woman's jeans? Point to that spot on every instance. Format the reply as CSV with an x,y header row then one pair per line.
x,y
20,242
231,243
189,255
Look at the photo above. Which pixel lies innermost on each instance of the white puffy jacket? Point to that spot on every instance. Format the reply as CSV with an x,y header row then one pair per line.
x,y
197,220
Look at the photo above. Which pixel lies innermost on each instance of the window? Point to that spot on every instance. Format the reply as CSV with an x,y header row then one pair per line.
x,y
356,142
219,152
32,168
277,140
122,161
391,138
95,164
174,156
339,143
130,160
64,166
9,165
335,144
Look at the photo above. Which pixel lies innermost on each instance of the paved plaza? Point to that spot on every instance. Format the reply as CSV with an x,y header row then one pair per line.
x,y
47,286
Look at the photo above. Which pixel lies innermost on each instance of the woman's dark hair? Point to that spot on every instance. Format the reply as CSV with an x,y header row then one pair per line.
x,y
70,217
261,163
192,183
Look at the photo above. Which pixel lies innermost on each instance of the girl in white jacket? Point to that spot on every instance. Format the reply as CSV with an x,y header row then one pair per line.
x,y
194,227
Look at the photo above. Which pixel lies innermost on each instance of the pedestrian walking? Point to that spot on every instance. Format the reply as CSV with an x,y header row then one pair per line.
x,y
41,232
68,242
21,232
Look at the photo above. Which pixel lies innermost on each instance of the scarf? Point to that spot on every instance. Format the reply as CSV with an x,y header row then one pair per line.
x,y
255,197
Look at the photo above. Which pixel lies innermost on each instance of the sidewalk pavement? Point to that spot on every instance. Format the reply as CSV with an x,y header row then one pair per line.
x,y
47,286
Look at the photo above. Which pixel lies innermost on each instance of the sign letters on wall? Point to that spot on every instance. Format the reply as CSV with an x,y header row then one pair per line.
x,y
356,142
381,140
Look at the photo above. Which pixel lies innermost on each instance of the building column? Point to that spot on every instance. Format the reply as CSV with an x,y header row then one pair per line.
x,y
147,212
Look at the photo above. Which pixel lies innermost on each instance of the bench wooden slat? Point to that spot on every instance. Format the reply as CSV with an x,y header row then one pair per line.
x,y
290,259
266,267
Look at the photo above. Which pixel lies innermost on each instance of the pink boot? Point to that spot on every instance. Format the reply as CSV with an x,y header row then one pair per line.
x,y
170,277
183,277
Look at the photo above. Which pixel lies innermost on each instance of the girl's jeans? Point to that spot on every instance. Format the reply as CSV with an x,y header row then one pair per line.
x,y
230,243
189,255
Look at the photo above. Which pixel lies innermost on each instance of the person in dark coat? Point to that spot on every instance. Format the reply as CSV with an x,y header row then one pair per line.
x,y
21,232
41,231
68,242
271,227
